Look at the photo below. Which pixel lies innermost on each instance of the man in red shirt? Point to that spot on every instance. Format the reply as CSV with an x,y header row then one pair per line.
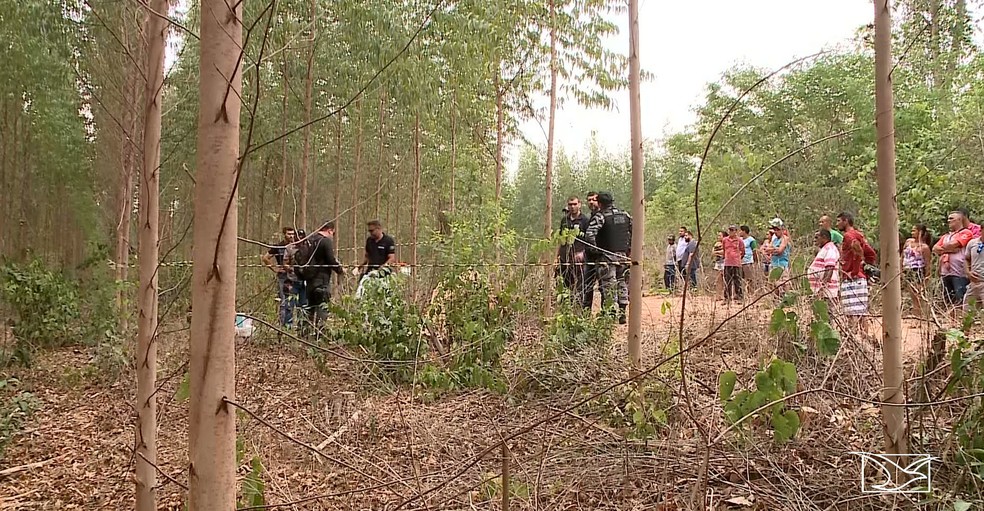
x,y
950,248
734,251
855,251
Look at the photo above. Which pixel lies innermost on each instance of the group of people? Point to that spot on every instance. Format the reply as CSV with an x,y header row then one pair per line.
x,y
304,266
842,265
597,252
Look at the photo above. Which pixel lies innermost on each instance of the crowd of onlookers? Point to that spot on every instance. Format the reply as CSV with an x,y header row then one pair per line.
x,y
842,267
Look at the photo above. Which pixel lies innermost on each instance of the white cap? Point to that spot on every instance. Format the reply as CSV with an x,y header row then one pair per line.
x,y
775,222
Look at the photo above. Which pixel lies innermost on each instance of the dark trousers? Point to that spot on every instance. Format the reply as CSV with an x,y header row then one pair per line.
x,y
318,297
732,283
590,277
669,276
573,275
688,273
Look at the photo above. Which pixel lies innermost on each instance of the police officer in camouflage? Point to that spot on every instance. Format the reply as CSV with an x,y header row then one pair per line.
x,y
608,237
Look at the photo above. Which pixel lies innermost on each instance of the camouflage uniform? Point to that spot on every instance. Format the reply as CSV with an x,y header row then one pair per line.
x,y
608,237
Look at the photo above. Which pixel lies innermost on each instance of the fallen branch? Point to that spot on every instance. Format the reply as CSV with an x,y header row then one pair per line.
x,y
21,468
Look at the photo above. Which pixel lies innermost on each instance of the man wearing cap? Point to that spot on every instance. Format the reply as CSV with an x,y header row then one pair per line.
x,y
670,264
608,237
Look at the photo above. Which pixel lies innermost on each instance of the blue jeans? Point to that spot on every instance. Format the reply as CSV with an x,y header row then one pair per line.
x,y
669,276
954,289
285,309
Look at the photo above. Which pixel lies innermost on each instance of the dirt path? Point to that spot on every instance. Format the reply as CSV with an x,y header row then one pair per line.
x,y
660,312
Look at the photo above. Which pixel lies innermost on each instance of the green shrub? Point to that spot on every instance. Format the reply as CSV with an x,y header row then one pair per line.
x,y
473,322
384,325
45,305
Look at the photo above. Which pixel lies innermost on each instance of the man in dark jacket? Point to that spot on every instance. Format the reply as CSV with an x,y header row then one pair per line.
x,y
571,255
324,263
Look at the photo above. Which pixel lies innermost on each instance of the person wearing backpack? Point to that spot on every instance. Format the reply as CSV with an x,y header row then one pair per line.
x,y
855,252
315,263
274,259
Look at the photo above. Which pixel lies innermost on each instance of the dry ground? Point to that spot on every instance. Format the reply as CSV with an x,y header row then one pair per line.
x,y
380,446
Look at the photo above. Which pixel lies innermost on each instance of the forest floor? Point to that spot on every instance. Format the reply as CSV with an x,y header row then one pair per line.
x,y
378,446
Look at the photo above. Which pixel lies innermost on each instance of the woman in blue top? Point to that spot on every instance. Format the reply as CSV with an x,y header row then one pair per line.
x,y
779,247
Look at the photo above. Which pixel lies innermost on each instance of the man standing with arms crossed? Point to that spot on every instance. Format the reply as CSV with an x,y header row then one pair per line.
x,y
571,255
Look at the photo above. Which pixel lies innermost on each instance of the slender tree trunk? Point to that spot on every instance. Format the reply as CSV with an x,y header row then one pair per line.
x,y
638,208
149,238
308,92
283,146
4,138
548,179
896,429
454,150
355,175
338,166
212,422
500,134
415,193
258,229
127,171
381,167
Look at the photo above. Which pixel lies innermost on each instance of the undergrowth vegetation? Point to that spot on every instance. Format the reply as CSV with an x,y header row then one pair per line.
x,y
52,308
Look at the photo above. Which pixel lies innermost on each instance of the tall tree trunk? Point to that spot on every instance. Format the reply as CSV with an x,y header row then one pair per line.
x,y
212,422
415,193
548,178
454,150
896,429
258,229
4,138
338,166
382,166
500,130
283,146
308,92
127,156
355,175
149,246
638,208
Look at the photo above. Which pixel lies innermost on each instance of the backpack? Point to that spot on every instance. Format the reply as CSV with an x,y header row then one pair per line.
x,y
304,257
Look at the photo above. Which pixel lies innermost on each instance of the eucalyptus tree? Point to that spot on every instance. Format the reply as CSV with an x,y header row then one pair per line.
x,y
149,246
893,388
212,421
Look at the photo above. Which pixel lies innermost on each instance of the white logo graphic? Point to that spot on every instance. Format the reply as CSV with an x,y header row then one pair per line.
x,y
891,477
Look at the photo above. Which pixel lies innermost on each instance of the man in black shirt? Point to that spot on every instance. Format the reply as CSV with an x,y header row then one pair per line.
x,y
324,263
571,255
380,248
274,259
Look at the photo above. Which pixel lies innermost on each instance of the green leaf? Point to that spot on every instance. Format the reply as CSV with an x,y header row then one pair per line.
x,y
778,322
775,274
665,307
184,389
765,384
827,339
726,384
820,310
785,425
961,505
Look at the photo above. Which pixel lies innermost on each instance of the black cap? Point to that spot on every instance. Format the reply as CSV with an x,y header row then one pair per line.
x,y
605,199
